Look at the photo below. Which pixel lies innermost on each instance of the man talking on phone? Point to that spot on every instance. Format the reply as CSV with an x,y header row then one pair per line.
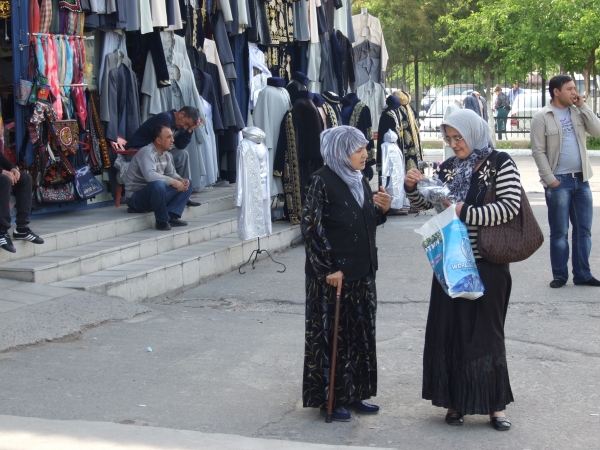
x,y
558,144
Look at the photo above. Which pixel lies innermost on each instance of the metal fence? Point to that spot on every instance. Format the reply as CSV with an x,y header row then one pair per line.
x,y
433,85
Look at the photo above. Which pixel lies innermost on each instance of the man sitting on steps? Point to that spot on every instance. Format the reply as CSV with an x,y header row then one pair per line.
x,y
183,122
151,182
12,180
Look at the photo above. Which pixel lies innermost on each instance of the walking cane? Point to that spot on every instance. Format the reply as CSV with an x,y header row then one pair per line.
x,y
336,322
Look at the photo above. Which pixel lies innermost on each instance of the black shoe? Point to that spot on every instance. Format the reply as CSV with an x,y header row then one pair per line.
x,y
591,282
500,423
192,203
364,407
6,243
135,211
557,283
163,226
340,414
454,419
27,235
175,222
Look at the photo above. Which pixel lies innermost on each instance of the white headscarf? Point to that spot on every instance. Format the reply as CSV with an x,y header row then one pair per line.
x,y
476,133
337,144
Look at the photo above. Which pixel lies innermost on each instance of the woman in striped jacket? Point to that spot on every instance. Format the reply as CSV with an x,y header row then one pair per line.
x,y
464,361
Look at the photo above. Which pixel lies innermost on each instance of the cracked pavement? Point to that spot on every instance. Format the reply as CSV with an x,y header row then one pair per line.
x,y
227,358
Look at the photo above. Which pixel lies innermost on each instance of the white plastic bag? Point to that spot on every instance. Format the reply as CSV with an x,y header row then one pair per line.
x,y
446,243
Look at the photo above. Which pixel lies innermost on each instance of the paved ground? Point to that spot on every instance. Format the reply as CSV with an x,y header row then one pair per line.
x,y
227,360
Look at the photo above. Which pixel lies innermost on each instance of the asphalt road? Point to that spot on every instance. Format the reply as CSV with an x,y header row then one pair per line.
x,y
227,358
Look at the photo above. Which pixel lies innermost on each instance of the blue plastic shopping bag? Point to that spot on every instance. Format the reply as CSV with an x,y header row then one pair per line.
x,y
446,243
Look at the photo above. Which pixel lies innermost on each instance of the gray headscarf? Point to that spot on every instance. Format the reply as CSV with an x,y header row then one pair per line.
x,y
337,144
476,133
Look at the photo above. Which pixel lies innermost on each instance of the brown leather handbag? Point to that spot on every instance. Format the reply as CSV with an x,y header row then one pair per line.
x,y
512,241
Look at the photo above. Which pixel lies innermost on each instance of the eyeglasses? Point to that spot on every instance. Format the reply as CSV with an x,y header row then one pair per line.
x,y
453,140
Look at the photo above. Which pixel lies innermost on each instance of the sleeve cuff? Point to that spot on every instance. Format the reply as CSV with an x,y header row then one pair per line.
x,y
463,212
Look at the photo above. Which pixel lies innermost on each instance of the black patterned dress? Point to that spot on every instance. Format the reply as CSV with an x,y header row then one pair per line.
x,y
464,359
323,211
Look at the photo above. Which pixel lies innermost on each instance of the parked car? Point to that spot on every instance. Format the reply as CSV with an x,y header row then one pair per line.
x,y
431,121
461,90
523,109
428,98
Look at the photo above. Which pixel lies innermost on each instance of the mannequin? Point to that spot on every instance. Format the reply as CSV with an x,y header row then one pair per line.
x,y
326,112
357,114
389,120
253,197
413,153
392,168
271,105
333,100
298,152
299,83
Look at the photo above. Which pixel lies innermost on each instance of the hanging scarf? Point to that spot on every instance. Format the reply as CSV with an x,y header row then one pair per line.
x,y
40,56
78,52
405,101
337,144
476,134
53,75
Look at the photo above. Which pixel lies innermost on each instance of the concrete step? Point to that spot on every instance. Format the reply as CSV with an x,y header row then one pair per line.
x,y
103,254
171,271
75,228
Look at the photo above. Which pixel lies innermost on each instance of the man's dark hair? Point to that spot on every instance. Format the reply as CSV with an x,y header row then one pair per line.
x,y
557,82
191,113
157,131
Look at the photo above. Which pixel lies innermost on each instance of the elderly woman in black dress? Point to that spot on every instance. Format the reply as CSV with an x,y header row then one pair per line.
x,y
464,361
339,221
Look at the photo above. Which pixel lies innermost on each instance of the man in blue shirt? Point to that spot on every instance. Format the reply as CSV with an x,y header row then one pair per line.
x,y
516,90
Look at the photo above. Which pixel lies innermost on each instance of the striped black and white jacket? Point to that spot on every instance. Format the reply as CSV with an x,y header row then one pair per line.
x,y
474,213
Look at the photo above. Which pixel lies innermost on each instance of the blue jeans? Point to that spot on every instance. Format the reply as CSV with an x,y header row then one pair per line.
x,y
501,118
165,201
570,200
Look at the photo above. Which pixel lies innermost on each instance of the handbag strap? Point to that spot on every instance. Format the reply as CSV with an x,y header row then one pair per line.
x,y
490,194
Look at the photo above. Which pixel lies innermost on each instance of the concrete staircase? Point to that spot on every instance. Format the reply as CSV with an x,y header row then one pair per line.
x,y
108,251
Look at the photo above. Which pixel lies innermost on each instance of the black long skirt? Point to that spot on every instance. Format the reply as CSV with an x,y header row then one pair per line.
x,y
464,361
356,366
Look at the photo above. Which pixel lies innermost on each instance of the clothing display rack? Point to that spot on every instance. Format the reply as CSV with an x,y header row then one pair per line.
x,y
257,252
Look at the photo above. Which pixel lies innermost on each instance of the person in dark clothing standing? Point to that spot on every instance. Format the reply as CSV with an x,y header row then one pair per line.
x,y
339,222
502,107
184,122
13,180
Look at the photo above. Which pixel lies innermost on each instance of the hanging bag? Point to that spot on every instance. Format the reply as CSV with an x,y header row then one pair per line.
x,y
54,181
25,83
512,241
86,184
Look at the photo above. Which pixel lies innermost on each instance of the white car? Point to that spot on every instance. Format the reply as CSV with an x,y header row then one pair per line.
x,y
431,121
523,109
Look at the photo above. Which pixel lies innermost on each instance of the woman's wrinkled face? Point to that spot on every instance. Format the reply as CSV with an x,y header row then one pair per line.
x,y
358,159
455,140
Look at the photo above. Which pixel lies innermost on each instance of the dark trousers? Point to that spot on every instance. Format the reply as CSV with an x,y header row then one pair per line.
x,y
165,201
22,191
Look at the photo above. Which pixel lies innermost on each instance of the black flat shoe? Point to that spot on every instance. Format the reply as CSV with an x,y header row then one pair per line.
x,y
192,203
591,282
364,407
557,283
454,419
500,423
163,226
177,222
340,414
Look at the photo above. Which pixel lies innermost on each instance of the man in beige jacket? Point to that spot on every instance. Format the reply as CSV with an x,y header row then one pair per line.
x,y
558,144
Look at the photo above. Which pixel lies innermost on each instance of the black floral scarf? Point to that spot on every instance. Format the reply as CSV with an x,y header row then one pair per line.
x,y
462,171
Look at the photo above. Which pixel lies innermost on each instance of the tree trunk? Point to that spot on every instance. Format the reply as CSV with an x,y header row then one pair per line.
x,y
488,99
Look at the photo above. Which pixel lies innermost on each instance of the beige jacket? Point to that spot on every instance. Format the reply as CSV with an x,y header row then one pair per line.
x,y
546,140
